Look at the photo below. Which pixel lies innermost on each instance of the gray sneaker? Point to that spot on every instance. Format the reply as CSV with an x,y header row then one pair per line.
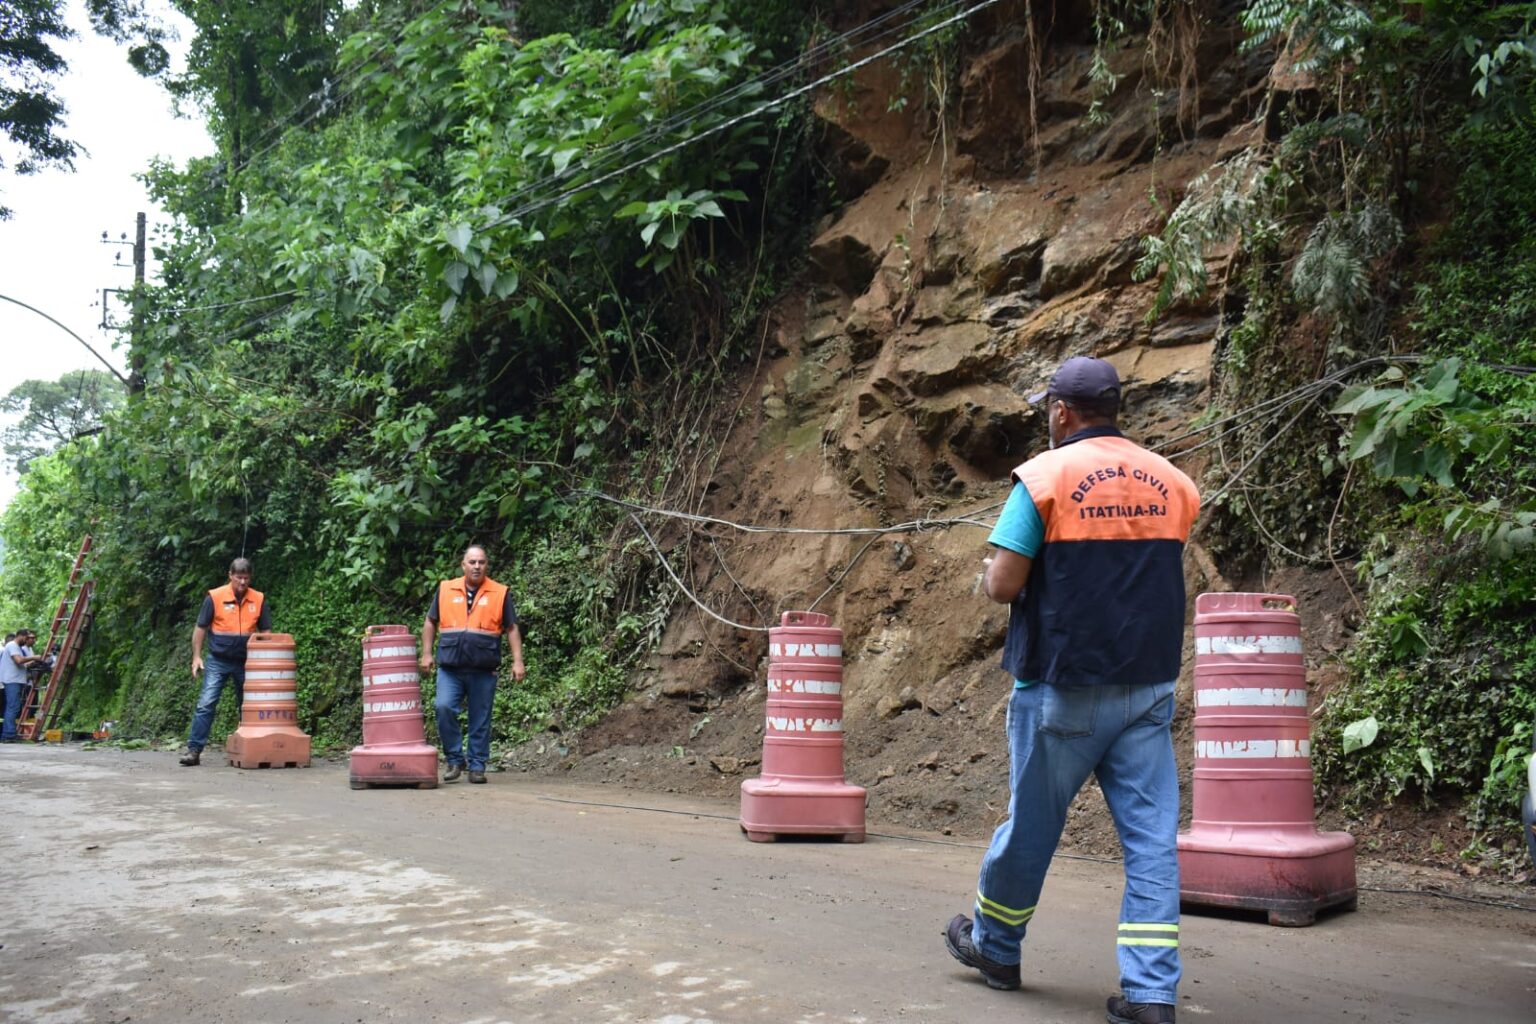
x,y
453,773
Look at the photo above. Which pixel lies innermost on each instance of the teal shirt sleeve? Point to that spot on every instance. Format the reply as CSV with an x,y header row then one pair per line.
x,y
1020,528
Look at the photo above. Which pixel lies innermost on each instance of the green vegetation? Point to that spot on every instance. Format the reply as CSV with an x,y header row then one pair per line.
x,y
1402,143
440,276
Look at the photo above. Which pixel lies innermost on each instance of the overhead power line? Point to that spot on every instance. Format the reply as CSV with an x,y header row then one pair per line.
x,y
869,33
613,152
225,305
762,108
72,334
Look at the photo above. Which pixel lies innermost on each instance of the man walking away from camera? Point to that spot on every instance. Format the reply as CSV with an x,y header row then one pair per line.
x,y
1089,558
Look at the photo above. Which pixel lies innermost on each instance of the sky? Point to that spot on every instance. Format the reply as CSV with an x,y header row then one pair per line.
x,y
51,254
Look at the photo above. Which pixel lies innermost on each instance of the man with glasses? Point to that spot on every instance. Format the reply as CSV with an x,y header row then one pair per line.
x,y
1089,558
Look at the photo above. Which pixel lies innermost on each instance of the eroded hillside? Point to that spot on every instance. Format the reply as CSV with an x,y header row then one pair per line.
x,y
964,265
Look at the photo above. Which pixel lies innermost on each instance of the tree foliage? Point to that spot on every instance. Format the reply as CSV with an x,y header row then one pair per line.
x,y
54,413
441,275
31,114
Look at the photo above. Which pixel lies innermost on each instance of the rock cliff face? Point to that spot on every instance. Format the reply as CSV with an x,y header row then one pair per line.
x,y
964,265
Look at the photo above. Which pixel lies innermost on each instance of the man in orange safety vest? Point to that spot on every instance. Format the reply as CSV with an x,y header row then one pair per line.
x,y
466,621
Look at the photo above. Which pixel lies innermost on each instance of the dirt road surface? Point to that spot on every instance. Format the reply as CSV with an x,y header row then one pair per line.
x,y
137,890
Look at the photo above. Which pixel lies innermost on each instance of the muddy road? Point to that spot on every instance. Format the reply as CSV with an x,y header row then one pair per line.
x,y
137,890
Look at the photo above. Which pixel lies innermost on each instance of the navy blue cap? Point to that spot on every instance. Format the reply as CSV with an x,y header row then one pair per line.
x,y
1081,378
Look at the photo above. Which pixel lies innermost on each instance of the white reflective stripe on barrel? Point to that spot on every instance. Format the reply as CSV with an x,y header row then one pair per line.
x,y
804,686
285,674
1247,645
284,653
269,695
1219,749
390,677
1250,697
805,650
805,724
392,705
390,652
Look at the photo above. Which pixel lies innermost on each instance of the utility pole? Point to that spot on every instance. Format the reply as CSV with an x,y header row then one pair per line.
x,y
136,337
135,381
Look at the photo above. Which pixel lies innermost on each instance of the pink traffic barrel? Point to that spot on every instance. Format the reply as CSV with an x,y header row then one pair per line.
x,y
394,751
269,735
803,734
802,790
1252,840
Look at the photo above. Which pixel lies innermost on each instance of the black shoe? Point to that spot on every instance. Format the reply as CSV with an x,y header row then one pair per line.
x,y
453,773
477,777
192,759
957,939
1119,1011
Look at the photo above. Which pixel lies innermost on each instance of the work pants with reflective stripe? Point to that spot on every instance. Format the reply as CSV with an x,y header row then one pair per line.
x,y
1057,737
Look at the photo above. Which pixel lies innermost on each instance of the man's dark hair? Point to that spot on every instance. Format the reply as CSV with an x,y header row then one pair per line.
x,y
9,637
475,546
1105,408
240,565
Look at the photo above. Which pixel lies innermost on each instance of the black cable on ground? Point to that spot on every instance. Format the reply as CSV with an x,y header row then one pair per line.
x,y
1476,900
877,835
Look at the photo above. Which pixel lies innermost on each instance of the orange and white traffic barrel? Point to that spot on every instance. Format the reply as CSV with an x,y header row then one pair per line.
x,y
269,735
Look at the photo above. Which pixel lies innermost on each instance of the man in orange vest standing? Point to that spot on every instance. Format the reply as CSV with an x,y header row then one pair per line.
x,y
1089,557
466,621
229,616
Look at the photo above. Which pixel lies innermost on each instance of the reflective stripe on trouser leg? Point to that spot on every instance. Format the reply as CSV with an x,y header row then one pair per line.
x,y
1007,915
1166,935
1140,783
1045,773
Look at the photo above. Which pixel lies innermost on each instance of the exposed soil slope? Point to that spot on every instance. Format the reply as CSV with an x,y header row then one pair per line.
x,y
891,387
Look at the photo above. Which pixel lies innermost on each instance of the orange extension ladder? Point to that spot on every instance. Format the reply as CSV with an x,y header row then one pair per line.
x,y
42,705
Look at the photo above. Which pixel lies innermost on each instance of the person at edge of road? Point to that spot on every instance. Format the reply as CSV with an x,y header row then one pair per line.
x,y
14,661
229,616
3,702
466,619
1089,558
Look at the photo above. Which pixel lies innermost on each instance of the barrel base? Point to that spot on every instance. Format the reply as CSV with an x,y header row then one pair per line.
x,y
258,747
1291,876
404,765
774,807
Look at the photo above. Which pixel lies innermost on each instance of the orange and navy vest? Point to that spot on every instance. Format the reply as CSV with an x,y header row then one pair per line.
x,y
233,621
1104,602
470,637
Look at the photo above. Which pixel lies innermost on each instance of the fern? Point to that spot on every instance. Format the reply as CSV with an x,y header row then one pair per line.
x,y
1213,211
1331,274
1321,32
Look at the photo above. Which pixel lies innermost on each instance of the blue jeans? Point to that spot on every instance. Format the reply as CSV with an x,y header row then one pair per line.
x,y
13,692
455,687
216,673
1057,737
